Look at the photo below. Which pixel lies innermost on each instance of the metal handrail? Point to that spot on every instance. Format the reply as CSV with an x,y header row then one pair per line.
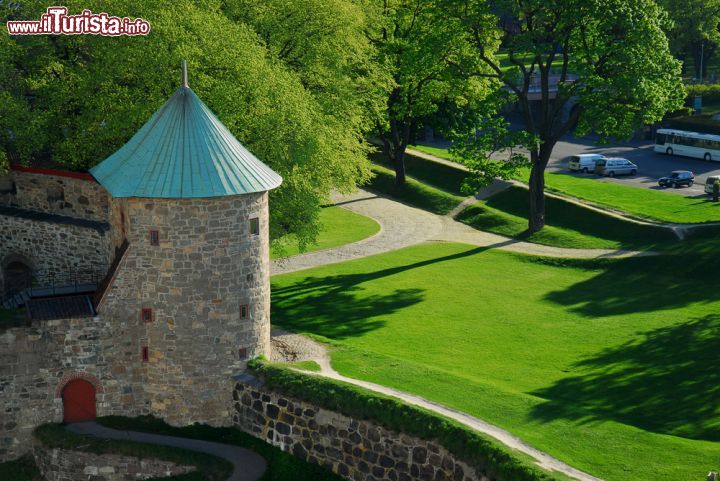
x,y
54,281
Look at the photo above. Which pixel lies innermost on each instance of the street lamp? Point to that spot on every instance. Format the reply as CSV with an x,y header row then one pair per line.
x,y
702,57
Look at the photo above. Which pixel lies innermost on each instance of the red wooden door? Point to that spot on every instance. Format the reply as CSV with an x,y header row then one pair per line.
x,y
78,401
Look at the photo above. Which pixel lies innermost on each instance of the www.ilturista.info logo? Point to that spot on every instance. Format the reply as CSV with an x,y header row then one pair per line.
x,y
57,22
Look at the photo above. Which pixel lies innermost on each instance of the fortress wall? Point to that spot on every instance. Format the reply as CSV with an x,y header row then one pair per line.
x,y
55,194
206,266
357,450
54,246
37,361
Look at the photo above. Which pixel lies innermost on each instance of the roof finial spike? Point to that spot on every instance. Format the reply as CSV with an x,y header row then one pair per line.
x,y
184,74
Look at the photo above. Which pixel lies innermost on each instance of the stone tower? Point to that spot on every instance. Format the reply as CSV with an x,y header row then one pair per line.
x,y
191,298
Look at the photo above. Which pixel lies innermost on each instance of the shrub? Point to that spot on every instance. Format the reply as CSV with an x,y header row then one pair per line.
x,y
710,93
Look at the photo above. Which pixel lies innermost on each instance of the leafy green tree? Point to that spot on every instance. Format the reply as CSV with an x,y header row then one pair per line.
x,y
587,65
694,30
429,58
74,100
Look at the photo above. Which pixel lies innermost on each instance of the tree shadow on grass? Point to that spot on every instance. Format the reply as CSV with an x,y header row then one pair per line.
x,y
666,382
337,307
644,284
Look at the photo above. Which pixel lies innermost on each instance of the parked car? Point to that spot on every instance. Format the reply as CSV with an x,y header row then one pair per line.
x,y
615,166
677,178
709,183
584,162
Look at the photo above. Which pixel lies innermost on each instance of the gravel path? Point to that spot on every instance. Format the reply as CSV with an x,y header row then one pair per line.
x,y
300,348
248,465
403,226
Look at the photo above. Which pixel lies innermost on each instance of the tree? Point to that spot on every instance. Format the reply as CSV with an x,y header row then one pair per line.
x,y
694,31
74,100
588,65
427,53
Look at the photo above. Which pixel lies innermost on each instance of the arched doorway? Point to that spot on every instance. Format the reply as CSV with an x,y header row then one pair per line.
x,y
16,275
78,398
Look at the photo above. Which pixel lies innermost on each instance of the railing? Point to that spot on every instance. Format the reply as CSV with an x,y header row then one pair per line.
x,y
55,284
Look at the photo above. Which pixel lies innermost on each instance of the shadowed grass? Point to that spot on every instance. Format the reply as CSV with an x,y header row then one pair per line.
x,y
575,357
21,469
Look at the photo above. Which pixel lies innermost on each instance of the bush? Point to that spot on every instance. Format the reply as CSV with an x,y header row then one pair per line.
x,y
710,93
483,453
21,469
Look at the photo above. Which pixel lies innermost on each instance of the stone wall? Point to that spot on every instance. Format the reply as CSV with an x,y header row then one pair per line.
x,y
36,362
55,194
65,465
354,449
53,244
206,266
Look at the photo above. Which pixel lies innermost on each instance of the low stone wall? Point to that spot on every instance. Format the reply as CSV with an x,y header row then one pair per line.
x,y
55,194
354,449
63,465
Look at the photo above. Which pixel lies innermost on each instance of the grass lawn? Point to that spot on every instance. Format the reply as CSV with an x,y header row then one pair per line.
x,y
642,203
608,365
414,193
568,225
338,227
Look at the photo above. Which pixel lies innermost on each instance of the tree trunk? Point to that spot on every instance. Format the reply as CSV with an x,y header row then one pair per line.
x,y
540,158
399,163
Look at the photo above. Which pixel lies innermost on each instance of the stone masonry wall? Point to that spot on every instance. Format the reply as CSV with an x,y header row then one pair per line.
x,y
356,450
65,465
55,194
206,266
54,246
36,362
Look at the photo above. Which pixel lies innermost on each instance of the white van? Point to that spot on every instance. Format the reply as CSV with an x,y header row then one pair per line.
x,y
709,183
584,162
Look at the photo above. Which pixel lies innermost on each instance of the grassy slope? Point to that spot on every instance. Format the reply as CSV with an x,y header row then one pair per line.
x,y
568,225
642,203
591,365
339,227
413,192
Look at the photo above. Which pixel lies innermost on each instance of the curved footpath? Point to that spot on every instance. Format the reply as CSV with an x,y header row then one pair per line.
x,y
403,226
247,465
294,347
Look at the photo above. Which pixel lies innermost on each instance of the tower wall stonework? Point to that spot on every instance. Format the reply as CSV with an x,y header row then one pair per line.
x,y
207,265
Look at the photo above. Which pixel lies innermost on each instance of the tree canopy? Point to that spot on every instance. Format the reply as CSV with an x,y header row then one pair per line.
x,y
601,66
74,100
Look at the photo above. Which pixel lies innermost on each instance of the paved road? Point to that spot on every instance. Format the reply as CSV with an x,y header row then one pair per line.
x,y
651,165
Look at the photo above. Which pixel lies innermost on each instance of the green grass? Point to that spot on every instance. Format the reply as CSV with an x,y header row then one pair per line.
x,y
414,193
638,202
338,227
281,466
311,366
568,225
208,468
22,469
437,151
434,174
608,365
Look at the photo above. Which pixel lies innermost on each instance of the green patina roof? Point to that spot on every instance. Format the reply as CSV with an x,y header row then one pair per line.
x,y
183,152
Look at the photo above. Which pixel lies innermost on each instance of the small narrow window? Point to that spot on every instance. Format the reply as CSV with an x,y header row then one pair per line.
x,y
244,311
242,353
154,238
254,226
145,354
146,314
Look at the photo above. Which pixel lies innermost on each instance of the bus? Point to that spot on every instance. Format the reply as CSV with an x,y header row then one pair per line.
x,y
689,144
